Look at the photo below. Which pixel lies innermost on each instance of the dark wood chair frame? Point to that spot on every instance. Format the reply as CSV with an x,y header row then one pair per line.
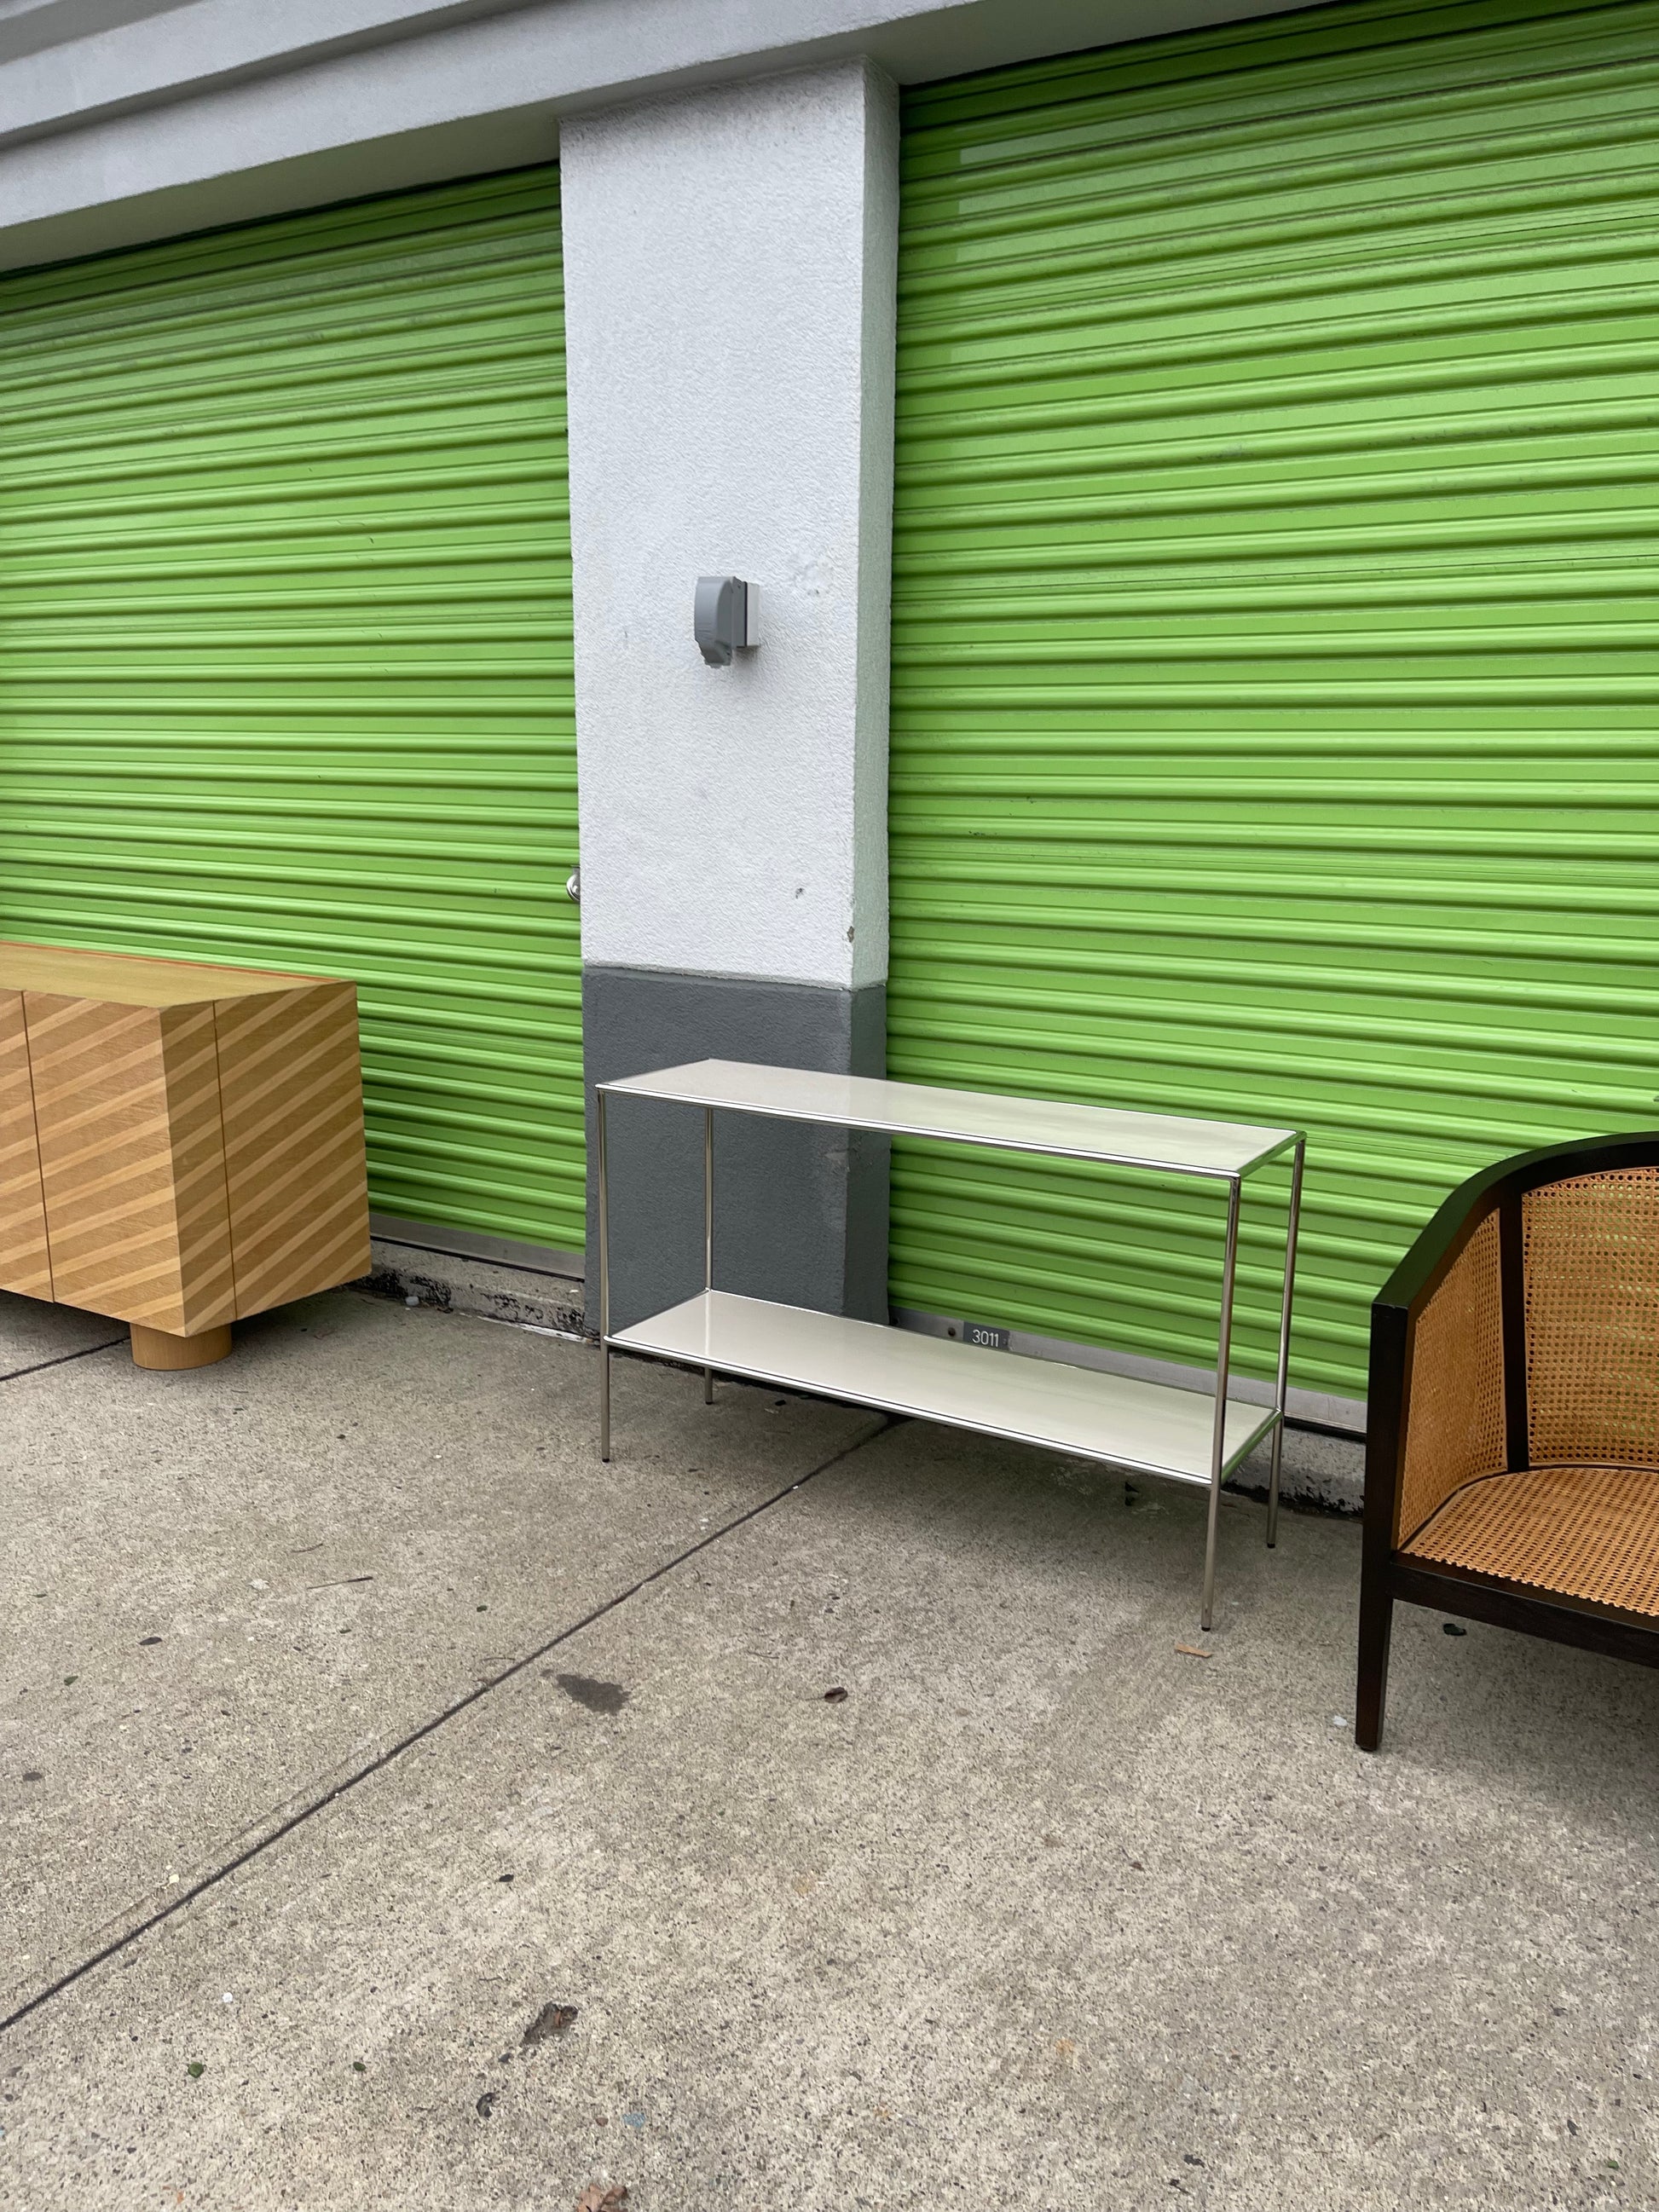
x,y
1386,1577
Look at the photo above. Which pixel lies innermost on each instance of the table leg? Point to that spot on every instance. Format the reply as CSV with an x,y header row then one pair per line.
x,y
708,1230
1281,1386
1219,1435
605,1292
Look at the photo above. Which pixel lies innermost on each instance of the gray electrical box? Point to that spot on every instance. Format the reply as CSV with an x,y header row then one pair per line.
x,y
726,618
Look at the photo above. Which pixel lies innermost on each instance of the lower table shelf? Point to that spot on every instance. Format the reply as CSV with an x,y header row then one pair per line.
x,y
1152,1428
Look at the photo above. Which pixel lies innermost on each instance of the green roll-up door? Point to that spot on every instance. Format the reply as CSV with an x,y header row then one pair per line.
x,y
285,652
1274,662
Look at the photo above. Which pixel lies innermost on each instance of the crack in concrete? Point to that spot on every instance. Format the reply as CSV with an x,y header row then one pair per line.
x,y
61,1359
383,1759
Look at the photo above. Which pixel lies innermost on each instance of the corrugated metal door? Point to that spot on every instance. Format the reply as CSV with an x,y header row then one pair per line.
x,y
285,652
1275,675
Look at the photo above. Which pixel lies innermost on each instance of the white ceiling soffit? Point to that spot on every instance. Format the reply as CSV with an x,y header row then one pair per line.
x,y
122,120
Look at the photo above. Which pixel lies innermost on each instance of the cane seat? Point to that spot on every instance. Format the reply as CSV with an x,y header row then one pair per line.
x,y
1586,1532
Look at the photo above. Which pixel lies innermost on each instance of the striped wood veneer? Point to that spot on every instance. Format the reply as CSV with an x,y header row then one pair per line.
x,y
180,1145
23,1263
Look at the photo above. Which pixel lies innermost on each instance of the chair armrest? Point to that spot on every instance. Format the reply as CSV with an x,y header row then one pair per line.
x,y
1435,1415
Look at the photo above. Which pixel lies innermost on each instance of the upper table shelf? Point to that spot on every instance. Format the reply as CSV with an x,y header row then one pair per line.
x,y
1164,1141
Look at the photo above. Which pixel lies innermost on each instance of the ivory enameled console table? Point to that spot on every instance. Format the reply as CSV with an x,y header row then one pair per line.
x,y
180,1145
1150,1428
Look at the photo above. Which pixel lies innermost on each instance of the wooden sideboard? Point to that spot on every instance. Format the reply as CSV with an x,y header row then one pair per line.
x,y
181,1146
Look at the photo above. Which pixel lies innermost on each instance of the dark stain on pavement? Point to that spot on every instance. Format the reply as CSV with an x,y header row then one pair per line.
x,y
552,2019
597,1697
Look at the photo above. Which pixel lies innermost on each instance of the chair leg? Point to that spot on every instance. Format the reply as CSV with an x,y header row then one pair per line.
x,y
1376,1624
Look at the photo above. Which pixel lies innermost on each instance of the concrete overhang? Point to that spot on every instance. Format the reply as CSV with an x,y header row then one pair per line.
x,y
124,120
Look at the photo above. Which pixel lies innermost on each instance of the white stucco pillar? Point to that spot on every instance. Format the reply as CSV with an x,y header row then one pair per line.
x,y
730,262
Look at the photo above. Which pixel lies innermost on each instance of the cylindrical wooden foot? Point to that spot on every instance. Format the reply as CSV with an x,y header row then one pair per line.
x,y
155,1348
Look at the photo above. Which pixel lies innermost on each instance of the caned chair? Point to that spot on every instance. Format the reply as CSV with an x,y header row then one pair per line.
x,y
1512,1457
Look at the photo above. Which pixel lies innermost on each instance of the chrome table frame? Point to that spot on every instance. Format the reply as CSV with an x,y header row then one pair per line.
x,y
854,1102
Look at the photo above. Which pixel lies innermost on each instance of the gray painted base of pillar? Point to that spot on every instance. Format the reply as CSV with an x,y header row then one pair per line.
x,y
800,1213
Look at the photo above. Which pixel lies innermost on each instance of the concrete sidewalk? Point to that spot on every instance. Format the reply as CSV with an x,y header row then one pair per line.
x,y
1042,1913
